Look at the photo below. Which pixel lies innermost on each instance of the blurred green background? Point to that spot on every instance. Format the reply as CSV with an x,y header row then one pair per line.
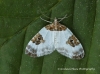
x,y
19,22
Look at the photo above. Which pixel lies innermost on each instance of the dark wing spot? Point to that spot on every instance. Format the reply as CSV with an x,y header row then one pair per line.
x,y
73,41
37,39
78,56
32,53
28,46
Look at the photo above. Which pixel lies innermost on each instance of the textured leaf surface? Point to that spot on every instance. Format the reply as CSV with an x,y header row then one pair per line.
x,y
19,22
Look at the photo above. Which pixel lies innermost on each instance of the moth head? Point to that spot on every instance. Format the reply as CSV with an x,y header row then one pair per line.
x,y
55,21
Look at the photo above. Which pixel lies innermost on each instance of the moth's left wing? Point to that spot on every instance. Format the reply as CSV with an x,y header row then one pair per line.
x,y
41,44
68,45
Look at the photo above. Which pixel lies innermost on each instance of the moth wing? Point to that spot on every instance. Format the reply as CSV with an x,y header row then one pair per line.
x,y
68,45
41,44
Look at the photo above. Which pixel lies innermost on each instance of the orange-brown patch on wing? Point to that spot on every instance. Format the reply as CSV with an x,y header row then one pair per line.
x,y
37,39
56,27
73,41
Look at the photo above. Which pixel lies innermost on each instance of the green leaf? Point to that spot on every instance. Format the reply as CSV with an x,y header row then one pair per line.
x,y
19,22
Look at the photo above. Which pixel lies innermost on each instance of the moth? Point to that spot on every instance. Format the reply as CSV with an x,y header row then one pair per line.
x,y
55,36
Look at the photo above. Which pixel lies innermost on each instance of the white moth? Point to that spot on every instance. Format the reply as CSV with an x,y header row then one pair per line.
x,y
55,36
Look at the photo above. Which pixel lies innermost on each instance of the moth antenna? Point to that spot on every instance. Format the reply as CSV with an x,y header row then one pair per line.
x,y
47,16
45,20
64,17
